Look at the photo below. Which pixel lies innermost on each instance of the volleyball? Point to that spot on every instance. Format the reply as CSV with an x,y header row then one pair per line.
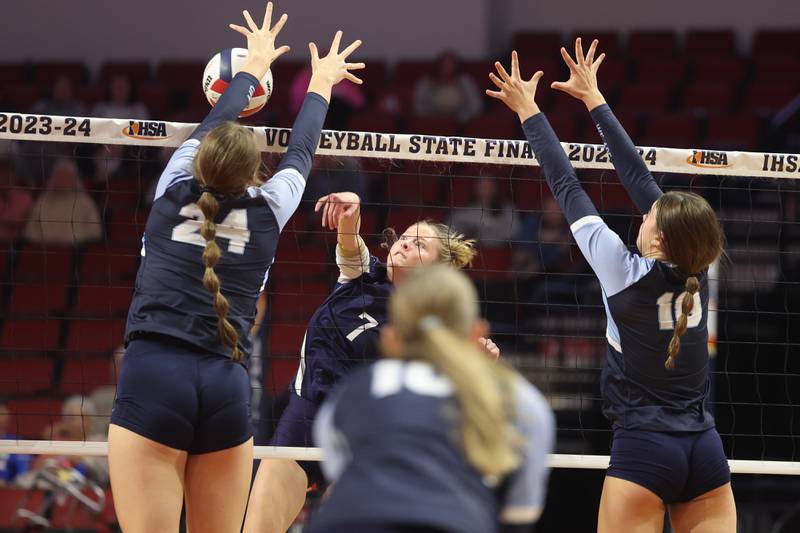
x,y
221,69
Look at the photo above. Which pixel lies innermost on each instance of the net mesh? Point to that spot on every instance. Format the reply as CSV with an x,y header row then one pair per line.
x,y
69,263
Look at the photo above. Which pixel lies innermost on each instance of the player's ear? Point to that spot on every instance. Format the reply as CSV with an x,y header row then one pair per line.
x,y
479,329
390,341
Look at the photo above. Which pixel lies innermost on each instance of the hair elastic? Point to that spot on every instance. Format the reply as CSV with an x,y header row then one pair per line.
x,y
429,322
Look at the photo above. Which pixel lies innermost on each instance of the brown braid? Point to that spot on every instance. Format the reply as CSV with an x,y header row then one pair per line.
x,y
687,305
209,205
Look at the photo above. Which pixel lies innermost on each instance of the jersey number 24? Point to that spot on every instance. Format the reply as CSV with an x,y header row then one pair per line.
x,y
233,228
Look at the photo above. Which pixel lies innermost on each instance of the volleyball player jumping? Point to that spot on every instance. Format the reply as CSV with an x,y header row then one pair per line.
x,y
655,384
437,437
343,334
181,423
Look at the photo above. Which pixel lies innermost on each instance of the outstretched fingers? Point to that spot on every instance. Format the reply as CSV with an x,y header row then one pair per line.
x,y
312,48
515,65
250,22
502,71
591,52
596,64
350,49
267,17
337,39
279,25
568,59
240,29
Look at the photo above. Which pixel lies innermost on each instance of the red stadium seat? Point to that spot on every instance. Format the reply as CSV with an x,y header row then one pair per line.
x,y
95,336
136,71
37,300
181,75
733,132
31,336
527,193
433,126
295,303
375,122
491,264
82,375
536,43
667,72
671,130
30,418
375,76
13,73
609,42
652,43
565,126
286,339
155,97
645,98
730,70
412,189
20,97
774,69
768,97
46,73
106,265
25,375
777,42
612,74
709,96
45,265
408,72
494,126
716,43
102,301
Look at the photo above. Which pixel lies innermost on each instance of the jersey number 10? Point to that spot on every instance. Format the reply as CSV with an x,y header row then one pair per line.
x,y
233,228
667,303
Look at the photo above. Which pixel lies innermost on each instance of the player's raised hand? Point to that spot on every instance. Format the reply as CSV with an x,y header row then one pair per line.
x,y
582,82
329,70
338,208
261,51
517,93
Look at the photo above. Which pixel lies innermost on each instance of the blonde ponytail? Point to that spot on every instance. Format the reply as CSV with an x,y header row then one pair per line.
x,y
227,334
433,312
687,305
483,390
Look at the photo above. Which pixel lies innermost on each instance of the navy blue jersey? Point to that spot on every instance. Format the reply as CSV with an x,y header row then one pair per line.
x,y
392,448
643,299
343,331
642,296
169,296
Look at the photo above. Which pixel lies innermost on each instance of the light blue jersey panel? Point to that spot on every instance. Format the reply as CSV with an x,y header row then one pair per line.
x,y
527,489
178,168
615,266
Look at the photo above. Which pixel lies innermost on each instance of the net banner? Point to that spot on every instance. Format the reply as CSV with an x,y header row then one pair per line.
x,y
434,148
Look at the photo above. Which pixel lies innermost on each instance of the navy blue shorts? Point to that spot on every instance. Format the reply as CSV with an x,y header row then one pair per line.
x,y
295,429
183,398
677,467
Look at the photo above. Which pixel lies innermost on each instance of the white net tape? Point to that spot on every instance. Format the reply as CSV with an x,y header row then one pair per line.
x,y
397,146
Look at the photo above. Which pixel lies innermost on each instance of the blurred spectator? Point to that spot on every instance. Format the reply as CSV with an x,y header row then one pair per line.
x,y
11,465
544,241
103,397
64,214
15,204
121,102
61,100
447,91
34,160
346,98
490,218
78,414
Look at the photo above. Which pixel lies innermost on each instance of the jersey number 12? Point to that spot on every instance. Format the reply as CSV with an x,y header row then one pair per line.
x,y
667,304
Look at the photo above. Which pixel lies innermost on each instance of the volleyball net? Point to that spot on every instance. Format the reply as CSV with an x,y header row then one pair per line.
x,y
70,259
